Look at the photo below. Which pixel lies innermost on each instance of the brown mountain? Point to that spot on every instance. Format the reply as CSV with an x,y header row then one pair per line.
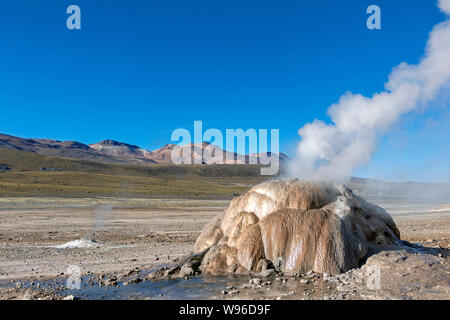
x,y
163,154
117,152
123,151
66,149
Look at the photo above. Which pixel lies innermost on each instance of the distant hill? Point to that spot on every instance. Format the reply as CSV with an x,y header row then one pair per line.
x,y
163,154
31,174
66,149
111,151
122,150
21,161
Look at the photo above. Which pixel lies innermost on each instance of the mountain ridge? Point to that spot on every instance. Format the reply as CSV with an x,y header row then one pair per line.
x,y
112,151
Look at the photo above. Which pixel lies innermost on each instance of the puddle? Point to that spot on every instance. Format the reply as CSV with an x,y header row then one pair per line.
x,y
193,288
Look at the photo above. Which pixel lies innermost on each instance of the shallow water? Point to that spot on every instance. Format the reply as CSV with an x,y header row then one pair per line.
x,y
193,288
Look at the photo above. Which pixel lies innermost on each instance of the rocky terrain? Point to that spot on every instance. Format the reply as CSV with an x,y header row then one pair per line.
x,y
128,244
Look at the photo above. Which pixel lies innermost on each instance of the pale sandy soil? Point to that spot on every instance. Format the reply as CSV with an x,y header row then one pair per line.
x,y
126,238
148,237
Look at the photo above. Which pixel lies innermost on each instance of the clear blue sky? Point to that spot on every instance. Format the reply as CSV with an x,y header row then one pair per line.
x,y
140,69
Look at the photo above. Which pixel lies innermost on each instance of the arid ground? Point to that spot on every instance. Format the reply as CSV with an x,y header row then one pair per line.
x,y
140,234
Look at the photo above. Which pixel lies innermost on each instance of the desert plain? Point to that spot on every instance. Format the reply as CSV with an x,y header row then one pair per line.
x,y
115,242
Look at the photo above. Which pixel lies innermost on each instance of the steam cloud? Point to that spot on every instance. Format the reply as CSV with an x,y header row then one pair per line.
x,y
99,215
333,151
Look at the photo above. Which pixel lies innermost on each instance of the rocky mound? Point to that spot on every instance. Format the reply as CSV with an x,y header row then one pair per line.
x,y
295,227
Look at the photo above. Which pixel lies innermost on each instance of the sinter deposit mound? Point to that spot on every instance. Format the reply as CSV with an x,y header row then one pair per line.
x,y
294,227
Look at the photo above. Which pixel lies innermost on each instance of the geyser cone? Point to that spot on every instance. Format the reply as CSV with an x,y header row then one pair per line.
x,y
295,227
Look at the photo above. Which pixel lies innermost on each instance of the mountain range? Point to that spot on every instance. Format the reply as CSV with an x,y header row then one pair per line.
x,y
111,151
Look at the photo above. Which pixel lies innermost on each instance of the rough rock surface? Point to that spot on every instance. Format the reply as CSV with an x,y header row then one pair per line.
x,y
295,227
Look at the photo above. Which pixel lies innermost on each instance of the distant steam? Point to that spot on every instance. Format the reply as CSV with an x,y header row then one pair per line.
x,y
334,151
99,215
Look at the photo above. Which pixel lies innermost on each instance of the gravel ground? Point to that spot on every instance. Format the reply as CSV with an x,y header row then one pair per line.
x,y
124,239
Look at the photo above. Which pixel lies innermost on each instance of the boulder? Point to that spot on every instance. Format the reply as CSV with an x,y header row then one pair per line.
x,y
295,227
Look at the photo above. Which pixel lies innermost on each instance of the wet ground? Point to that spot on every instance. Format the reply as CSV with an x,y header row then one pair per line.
x,y
197,287
194,288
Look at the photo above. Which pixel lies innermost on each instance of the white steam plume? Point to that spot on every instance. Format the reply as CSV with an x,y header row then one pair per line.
x,y
444,5
333,151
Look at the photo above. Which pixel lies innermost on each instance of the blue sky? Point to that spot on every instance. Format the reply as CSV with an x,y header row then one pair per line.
x,y
140,69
